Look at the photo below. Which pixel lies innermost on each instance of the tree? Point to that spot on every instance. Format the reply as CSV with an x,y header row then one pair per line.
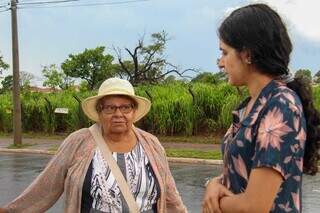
x,y
3,65
170,79
25,79
7,83
317,77
83,86
147,63
304,73
92,65
56,78
53,78
211,78
221,76
67,82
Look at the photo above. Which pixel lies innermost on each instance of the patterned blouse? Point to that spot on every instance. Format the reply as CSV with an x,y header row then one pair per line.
x,y
273,135
104,193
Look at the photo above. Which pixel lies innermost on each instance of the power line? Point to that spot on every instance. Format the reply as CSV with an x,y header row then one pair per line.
x,y
39,2
2,11
7,7
88,4
27,1
4,5
46,2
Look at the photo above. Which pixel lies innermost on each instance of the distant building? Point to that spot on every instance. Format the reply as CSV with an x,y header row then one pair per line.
x,y
49,90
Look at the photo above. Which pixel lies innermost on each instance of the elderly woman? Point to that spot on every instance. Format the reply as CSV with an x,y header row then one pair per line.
x,y
80,171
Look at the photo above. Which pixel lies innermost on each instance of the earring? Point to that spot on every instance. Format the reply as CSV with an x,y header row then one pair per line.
x,y
218,61
248,61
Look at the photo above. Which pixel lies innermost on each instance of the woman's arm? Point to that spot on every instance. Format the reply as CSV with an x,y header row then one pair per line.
x,y
46,189
262,188
2,210
173,199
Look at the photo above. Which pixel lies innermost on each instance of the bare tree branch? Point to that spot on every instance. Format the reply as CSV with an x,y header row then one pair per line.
x,y
149,66
181,74
147,63
149,58
117,50
123,66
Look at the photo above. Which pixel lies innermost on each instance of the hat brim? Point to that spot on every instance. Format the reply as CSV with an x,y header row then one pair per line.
x,y
89,106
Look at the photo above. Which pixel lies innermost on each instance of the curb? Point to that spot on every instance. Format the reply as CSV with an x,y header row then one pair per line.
x,y
195,161
170,159
27,151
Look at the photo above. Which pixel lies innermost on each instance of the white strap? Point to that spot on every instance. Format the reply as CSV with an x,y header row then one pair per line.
x,y
107,155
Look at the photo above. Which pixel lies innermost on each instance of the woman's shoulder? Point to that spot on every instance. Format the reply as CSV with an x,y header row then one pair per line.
x,y
150,138
78,138
80,134
286,98
280,101
286,94
146,134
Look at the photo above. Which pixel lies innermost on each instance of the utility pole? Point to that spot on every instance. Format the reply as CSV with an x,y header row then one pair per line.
x,y
17,140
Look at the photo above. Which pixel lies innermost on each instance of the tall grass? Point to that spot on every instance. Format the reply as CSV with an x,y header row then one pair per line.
x,y
6,113
172,110
316,95
177,109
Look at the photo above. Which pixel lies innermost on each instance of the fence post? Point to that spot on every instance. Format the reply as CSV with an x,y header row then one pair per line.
x,y
194,121
149,95
239,91
192,94
153,120
81,116
50,120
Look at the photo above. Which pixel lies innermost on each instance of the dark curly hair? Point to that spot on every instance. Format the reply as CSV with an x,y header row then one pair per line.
x,y
260,30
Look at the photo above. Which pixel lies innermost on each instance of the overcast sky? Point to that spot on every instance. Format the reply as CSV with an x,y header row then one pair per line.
x,y
49,35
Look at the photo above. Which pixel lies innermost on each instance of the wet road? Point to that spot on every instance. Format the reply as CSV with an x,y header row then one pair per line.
x,y
18,170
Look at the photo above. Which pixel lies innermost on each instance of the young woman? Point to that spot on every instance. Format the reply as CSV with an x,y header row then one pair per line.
x,y
275,135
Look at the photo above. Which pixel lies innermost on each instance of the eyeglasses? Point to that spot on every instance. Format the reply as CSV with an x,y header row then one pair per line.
x,y
110,109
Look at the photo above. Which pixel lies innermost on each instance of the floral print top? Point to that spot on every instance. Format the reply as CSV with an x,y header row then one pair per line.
x,y
273,135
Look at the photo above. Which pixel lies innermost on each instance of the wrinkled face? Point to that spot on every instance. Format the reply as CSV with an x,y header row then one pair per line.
x,y
234,65
116,114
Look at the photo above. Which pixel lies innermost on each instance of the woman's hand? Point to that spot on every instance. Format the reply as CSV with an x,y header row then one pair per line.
x,y
2,210
214,192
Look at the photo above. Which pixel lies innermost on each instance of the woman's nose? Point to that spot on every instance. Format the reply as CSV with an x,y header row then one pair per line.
x,y
219,64
118,112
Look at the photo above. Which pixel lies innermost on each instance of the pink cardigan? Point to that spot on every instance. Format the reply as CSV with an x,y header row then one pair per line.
x,y
67,169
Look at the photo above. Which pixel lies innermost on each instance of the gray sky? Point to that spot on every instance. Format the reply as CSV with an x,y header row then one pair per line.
x,y
48,35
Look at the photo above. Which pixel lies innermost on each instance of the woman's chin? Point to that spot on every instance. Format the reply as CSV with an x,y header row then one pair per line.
x,y
231,82
119,129
234,83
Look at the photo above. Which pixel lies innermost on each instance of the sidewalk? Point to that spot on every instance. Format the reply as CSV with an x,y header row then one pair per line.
x,y
43,144
48,146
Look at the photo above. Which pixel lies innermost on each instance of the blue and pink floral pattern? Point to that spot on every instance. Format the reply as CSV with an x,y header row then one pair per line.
x,y
273,135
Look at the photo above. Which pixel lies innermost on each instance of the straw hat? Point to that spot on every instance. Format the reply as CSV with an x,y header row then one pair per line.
x,y
115,86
